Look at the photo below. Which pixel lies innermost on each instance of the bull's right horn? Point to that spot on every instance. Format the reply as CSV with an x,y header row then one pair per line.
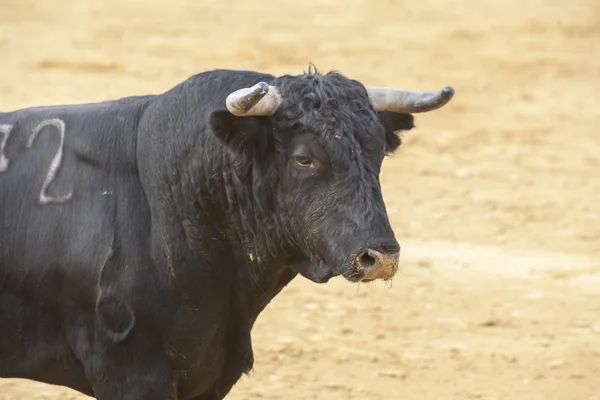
x,y
259,100
408,101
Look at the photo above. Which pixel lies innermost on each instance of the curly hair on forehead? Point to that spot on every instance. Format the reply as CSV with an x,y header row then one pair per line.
x,y
325,94
312,70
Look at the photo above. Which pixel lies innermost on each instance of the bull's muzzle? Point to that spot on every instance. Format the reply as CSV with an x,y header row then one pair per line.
x,y
373,264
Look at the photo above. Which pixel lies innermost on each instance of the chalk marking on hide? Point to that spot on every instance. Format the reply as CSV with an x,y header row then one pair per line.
x,y
5,131
56,161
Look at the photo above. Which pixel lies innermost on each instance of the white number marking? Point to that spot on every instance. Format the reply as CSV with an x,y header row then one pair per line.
x,y
5,132
56,161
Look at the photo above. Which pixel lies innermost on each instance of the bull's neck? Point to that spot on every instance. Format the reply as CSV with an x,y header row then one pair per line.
x,y
249,215
234,207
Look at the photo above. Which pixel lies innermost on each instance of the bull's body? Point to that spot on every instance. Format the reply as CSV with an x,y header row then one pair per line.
x,y
75,275
122,270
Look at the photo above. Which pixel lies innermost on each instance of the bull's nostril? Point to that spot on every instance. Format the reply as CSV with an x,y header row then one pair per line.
x,y
373,264
366,260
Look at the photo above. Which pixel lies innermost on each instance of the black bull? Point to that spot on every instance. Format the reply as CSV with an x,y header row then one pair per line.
x,y
142,237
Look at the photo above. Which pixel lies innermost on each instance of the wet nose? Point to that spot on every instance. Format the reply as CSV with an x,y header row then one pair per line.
x,y
378,264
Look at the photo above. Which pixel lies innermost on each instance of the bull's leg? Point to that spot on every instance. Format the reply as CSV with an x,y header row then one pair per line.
x,y
215,394
136,377
241,359
150,385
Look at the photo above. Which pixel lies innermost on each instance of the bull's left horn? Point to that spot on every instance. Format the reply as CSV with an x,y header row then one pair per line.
x,y
258,100
408,101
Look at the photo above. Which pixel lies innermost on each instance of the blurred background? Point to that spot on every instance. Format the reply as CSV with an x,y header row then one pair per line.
x,y
495,197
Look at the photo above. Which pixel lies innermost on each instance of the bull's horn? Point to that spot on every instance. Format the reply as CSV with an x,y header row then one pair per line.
x,y
407,101
258,100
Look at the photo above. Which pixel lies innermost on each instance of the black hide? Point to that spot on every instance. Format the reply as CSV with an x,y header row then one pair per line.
x,y
178,223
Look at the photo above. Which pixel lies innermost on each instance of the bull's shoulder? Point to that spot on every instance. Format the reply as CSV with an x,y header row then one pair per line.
x,y
210,88
67,179
73,157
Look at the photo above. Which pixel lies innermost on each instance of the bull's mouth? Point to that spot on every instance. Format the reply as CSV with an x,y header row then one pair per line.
x,y
363,268
316,271
356,276
353,275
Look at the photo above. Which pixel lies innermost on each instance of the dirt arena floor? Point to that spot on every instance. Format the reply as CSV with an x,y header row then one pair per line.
x,y
495,198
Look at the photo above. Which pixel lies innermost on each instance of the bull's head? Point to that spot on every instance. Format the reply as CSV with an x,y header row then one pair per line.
x,y
329,136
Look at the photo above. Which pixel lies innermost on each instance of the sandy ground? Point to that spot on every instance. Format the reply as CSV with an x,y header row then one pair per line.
x,y
494,198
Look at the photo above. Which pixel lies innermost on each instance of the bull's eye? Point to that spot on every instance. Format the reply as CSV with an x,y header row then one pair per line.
x,y
304,160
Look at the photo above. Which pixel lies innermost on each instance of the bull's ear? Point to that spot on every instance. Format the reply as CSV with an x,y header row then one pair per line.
x,y
393,123
241,134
